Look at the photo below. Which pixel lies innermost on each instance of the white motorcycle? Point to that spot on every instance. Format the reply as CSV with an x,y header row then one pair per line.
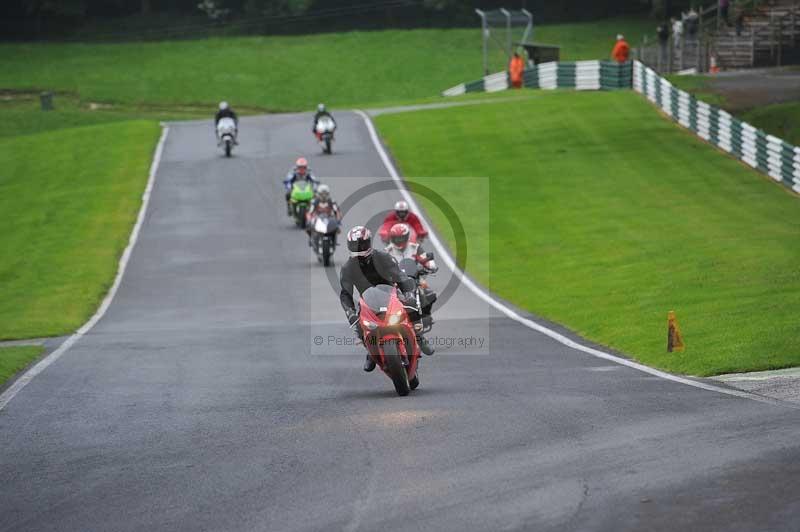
x,y
325,128
226,134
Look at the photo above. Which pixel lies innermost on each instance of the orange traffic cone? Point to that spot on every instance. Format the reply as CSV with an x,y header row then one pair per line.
x,y
674,337
713,66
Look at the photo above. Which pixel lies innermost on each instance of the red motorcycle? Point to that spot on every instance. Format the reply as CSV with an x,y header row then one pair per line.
x,y
389,336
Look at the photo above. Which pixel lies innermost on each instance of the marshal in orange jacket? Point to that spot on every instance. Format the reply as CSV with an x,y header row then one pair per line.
x,y
516,67
621,51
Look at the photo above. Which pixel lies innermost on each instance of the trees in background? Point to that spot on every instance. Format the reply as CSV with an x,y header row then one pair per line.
x,y
48,18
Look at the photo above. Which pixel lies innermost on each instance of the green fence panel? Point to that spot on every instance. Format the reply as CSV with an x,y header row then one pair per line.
x,y
474,86
530,78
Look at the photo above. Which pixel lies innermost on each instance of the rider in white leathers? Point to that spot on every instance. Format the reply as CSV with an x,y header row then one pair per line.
x,y
403,246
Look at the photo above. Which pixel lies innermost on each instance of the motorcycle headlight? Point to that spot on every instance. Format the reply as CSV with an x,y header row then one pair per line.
x,y
370,325
395,318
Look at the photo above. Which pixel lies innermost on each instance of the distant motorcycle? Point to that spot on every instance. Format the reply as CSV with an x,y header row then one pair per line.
x,y
324,129
300,199
226,133
323,237
389,336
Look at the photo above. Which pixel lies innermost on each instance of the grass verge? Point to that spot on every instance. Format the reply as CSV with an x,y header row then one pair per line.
x,y
287,73
781,120
699,87
604,216
69,198
14,359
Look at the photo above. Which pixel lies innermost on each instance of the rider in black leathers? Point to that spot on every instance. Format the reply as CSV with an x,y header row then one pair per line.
x,y
321,111
225,111
368,267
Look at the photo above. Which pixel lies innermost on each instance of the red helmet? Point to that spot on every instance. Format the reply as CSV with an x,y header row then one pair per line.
x,y
359,241
401,209
399,235
301,165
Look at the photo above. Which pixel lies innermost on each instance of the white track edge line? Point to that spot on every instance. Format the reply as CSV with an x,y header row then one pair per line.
x,y
40,366
510,313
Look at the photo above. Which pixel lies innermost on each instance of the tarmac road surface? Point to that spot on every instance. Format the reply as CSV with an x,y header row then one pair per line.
x,y
201,402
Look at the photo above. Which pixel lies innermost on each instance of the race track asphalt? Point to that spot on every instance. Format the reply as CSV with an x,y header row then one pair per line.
x,y
201,402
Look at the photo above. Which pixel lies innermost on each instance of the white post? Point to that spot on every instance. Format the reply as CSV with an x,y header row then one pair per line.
x,y
508,30
484,37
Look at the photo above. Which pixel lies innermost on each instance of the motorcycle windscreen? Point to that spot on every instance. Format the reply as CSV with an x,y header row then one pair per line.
x,y
226,125
325,224
377,298
409,267
302,191
324,124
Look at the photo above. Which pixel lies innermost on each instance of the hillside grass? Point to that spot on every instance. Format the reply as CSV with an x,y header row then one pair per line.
x,y
15,359
781,120
700,87
280,72
21,114
605,216
68,198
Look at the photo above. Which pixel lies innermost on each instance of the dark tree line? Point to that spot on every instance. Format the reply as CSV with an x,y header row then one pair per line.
x,y
32,19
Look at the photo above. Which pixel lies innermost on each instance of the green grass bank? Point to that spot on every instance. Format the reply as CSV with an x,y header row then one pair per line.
x,y
15,359
781,120
69,199
283,73
604,216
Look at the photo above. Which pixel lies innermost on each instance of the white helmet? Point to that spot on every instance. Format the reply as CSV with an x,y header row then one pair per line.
x,y
223,106
321,108
401,209
324,192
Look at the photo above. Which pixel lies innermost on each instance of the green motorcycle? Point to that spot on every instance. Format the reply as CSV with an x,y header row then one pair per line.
x,y
300,200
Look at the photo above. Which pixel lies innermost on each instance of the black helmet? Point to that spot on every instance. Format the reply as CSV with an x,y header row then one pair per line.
x,y
359,241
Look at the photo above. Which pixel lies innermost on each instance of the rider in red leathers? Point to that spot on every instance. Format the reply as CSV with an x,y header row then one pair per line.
x,y
402,215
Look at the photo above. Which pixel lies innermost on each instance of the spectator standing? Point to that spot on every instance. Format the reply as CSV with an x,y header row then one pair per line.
x,y
724,6
739,22
663,34
677,31
621,50
663,39
516,69
692,22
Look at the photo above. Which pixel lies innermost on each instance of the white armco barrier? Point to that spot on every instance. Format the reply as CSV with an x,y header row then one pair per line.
x,y
495,82
548,75
587,75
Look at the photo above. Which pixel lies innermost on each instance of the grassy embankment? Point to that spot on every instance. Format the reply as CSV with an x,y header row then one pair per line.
x,y
605,216
70,194
283,73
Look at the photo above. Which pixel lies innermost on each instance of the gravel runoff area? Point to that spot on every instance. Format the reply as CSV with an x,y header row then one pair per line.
x,y
782,384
